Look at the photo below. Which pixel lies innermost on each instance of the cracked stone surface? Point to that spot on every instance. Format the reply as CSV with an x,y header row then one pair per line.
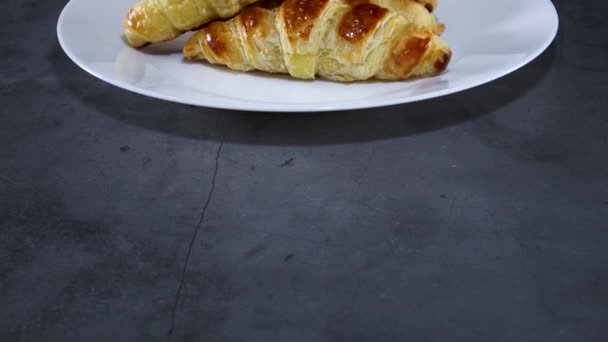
x,y
481,216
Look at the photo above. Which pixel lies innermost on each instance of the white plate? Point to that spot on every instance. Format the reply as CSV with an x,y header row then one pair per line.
x,y
489,39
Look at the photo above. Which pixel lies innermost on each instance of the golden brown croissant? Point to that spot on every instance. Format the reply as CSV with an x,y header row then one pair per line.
x,y
153,21
343,40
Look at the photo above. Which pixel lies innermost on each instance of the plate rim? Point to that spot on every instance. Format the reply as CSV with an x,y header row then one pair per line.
x,y
239,105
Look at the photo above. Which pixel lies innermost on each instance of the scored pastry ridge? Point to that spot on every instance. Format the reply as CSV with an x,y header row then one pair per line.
x,y
154,21
343,40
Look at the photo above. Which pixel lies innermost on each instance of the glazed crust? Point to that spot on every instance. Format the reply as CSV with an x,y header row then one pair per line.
x,y
342,40
153,21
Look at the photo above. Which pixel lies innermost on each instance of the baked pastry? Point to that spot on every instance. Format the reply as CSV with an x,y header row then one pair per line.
x,y
153,21
414,11
342,40
429,4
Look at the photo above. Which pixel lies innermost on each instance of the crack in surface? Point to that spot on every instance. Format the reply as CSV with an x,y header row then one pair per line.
x,y
286,163
194,235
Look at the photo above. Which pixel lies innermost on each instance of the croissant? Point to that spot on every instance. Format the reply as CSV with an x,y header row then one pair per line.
x,y
153,21
341,40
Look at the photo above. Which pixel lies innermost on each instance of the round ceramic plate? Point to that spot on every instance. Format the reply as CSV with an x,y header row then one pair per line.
x,y
489,39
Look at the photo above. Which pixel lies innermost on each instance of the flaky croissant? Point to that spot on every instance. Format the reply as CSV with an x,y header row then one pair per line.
x,y
342,40
153,21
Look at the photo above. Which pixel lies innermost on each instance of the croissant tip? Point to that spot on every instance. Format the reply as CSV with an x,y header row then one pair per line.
x,y
189,51
134,41
439,29
442,62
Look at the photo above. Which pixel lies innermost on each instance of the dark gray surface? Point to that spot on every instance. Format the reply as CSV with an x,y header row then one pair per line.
x,y
480,216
